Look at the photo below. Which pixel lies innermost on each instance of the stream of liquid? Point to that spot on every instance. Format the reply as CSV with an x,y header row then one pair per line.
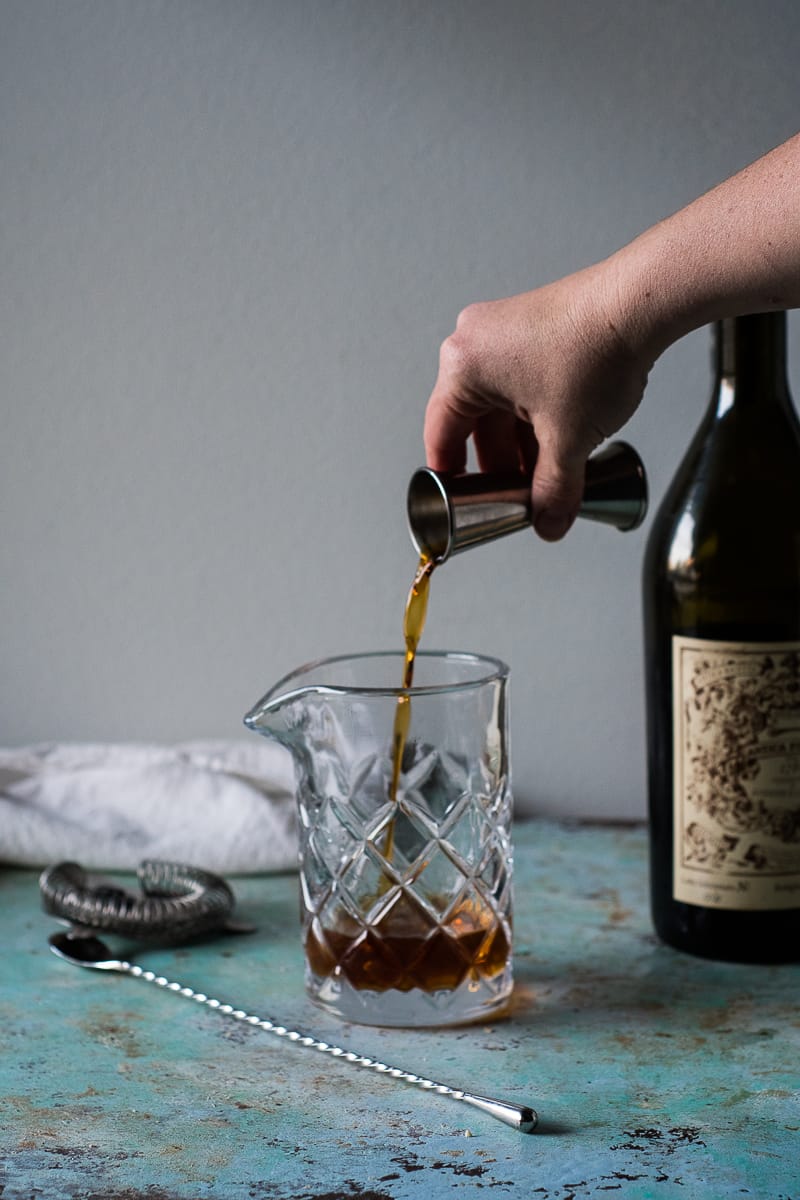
x,y
413,625
404,950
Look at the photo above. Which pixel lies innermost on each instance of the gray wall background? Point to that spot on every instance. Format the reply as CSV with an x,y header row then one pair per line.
x,y
233,236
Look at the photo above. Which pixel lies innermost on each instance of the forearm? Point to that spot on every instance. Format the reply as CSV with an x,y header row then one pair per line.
x,y
549,374
734,250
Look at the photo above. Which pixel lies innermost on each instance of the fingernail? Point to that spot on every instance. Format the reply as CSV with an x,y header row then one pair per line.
x,y
552,524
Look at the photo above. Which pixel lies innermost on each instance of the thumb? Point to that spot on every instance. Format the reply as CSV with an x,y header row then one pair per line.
x,y
557,490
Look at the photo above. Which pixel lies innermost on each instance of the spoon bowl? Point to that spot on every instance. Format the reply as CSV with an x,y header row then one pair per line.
x,y
86,950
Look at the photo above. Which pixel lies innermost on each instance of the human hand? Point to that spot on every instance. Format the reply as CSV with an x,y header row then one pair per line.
x,y
538,381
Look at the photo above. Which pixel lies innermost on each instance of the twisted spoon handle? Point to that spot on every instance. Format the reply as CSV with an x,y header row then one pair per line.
x,y
518,1116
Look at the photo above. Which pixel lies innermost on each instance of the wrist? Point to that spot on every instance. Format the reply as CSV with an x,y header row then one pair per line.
x,y
654,306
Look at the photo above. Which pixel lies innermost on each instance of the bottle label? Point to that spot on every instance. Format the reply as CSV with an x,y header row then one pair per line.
x,y
736,721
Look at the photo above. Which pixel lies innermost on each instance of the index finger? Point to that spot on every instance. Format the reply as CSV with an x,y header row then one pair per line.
x,y
450,420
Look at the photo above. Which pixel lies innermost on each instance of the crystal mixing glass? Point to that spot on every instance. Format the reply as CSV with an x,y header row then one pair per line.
x,y
406,905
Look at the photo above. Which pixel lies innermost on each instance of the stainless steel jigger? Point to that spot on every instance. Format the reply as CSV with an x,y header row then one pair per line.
x,y
451,513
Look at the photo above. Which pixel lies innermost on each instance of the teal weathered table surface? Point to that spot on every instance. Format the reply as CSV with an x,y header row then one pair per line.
x,y
655,1074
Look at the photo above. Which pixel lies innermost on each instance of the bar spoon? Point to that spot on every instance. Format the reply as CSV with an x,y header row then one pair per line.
x,y
87,950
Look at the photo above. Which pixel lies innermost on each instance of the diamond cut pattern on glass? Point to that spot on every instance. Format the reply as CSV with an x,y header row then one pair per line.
x,y
411,898
443,927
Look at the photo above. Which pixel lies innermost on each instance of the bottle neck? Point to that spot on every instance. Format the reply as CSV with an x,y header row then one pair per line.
x,y
750,361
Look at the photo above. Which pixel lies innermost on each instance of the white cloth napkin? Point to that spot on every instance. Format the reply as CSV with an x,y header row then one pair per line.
x,y
225,806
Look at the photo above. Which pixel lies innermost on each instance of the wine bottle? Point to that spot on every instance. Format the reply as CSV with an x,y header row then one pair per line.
x,y
722,652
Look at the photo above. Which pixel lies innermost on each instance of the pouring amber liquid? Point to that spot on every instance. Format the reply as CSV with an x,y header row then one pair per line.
x,y
405,949
413,625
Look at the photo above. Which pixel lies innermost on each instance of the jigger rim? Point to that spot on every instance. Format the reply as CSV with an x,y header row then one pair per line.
x,y
430,514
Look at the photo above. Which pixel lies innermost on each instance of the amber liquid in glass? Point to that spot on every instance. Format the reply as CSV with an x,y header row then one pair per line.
x,y
405,948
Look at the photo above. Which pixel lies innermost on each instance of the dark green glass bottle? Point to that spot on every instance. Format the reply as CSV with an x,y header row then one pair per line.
x,y
722,654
